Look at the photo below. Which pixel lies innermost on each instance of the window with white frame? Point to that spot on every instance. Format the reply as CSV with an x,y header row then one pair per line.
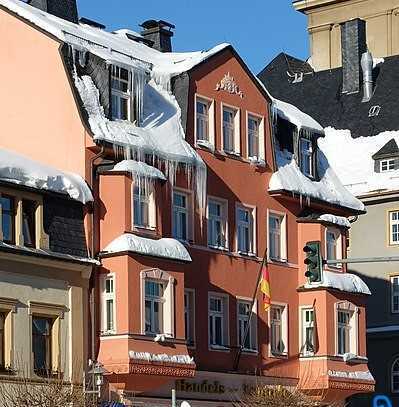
x,y
394,227
121,94
333,245
277,237
387,165
189,316
154,304
202,119
181,215
395,376
306,156
278,330
395,294
218,321
108,304
346,328
253,136
245,219
247,332
143,207
308,331
217,223
230,130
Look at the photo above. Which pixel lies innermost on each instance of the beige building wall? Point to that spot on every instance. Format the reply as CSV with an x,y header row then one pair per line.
x,y
326,16
35,288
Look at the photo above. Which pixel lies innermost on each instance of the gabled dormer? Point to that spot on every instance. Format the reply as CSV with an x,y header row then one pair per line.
x,y
387,158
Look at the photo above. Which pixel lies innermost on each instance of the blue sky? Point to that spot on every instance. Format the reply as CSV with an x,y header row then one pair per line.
x,y
258,29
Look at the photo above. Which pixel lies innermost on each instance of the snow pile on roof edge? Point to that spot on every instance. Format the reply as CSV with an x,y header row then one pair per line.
x,y
139,168
166,247
22,170
163,357
336,220
346,282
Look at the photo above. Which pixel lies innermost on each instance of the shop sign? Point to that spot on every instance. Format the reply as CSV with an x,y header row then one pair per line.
x,y
229,85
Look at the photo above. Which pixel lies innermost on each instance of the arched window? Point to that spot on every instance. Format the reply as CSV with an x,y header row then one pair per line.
x,y
395,376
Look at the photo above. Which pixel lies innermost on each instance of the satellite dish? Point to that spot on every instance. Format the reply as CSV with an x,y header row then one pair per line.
x,y
185,404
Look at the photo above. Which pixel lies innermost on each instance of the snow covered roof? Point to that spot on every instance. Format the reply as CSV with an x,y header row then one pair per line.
x,y
163,357
166,247
329,189
336,220
22,170
109,46
139,169
352,160
295,116
347,282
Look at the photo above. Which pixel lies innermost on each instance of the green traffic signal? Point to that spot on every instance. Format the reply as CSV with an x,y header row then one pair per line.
x,y
313,261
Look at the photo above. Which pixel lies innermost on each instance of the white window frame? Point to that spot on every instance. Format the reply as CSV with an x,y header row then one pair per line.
x,y
160,300
394,295
223,219
304,325
147,196
283,235
284,329
168,313
189,210
388,163
107,297
353,325
394,374
122,95
189,316
307,154
210,142
252,228
225,321
261,135
393,223
241,322
236,148
338,246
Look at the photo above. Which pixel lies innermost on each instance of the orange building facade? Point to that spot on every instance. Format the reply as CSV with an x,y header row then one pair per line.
x,y
177,279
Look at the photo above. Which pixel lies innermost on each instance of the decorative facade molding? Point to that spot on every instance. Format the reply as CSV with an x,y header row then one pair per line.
x,y
229,85
161,370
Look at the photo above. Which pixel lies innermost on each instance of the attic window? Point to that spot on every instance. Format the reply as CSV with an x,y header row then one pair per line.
x,y
121,94
306,156
387,165
374,111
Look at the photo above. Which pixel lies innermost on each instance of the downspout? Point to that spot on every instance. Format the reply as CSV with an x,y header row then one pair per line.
x,y
92,239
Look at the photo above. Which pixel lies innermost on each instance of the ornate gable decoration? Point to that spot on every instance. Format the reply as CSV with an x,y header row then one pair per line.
x,y
229,85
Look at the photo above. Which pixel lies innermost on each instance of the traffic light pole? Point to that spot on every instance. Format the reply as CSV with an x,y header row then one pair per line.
x,y
362,260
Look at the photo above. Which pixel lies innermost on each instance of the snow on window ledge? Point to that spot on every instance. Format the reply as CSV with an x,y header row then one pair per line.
x,y
156,357
166,247
206,145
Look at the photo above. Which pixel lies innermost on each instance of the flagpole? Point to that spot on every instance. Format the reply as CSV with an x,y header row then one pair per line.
x,y
246,332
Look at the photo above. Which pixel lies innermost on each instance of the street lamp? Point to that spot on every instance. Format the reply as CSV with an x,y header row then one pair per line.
x,y
96,373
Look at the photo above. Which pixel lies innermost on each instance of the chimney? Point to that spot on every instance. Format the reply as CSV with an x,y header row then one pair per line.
x,y
353,40
66,9
160,33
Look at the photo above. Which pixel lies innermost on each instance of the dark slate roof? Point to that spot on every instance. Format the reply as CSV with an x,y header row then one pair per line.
x,y
390,149
319,95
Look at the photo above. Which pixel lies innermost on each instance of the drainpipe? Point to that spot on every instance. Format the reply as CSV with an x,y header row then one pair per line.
x,y
92,247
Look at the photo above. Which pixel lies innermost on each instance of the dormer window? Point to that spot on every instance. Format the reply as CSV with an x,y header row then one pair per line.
x,y
306,157
387,165
121,94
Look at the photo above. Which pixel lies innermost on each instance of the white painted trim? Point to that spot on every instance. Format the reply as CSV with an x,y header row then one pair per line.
x,y
262,138
254,315
237,127
211,118
103,278
252,208
339,246
284,329
191,211
283,237
225,203
226,322
192,292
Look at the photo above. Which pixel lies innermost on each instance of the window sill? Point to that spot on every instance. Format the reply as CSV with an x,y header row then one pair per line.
x,y
246,254
107,333
221,248
205,145
251,352
278,261
219,348
279,355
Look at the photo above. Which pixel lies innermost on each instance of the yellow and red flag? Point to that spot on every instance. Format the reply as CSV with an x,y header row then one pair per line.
x,y
265,286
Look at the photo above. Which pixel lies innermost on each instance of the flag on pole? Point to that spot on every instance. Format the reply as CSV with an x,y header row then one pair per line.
x,y
265,286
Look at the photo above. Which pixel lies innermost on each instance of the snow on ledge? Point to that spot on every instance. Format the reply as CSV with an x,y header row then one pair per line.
x,y
156,357
347,282
336,220
359,375
22,170
165,247
139,169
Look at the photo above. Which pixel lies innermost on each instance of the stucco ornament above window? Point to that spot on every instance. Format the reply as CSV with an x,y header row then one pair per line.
x,y
229,85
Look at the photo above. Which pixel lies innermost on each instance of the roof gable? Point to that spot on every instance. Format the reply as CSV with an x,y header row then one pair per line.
x,y
390,149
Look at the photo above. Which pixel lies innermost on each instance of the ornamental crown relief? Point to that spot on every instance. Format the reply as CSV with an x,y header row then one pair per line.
x,y
229,85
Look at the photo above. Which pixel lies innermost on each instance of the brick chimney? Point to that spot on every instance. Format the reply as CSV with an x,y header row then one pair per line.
x,y
160,33
66,9
354,45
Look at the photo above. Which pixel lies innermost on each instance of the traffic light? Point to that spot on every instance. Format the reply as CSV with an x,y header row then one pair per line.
x,y
313,261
